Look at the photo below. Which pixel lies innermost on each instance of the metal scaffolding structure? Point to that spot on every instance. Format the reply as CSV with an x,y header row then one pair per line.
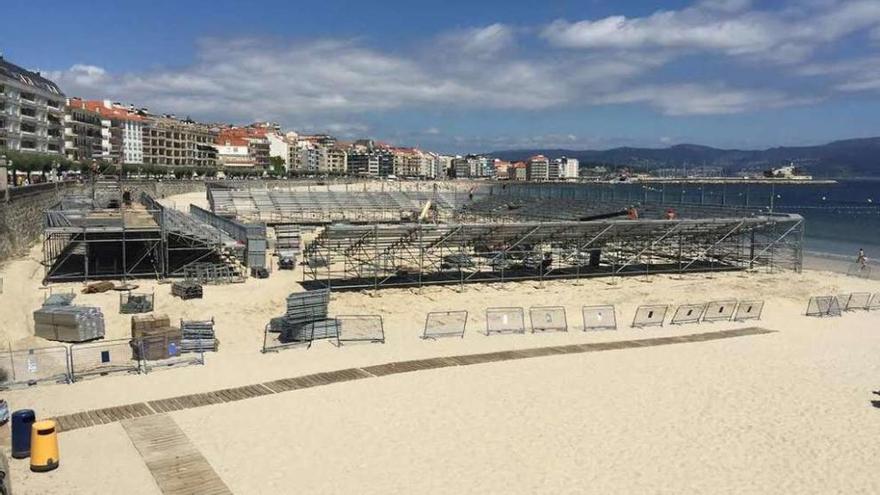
x,y
306,207
145,241
373,256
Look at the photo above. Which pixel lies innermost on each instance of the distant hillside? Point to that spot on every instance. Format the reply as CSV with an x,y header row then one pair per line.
x,y
851,157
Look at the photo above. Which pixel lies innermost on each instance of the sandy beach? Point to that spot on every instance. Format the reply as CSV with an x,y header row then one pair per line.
x,y
778,413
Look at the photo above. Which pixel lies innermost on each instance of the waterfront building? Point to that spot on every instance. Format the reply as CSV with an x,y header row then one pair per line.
x,y
538,168
31,111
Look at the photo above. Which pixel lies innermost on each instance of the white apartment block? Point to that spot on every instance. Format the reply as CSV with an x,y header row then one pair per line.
x,y
31,111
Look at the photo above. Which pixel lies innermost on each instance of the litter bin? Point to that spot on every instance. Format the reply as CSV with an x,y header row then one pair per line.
x,y
44,446
21,432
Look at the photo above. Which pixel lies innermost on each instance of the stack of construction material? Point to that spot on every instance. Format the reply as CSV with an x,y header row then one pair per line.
x,y
64,299
154,338
287,245
130,303
187,289
69,323
287,237
198,336
306,312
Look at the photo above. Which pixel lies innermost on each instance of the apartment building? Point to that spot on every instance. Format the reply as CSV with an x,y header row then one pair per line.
x,y
461,167
121,130
518,171
244,148
501,169
31,111
336,159
170,142
82,132
538,168
233,154
569,168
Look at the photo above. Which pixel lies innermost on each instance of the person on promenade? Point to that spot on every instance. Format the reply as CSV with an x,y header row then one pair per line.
x,y
862,260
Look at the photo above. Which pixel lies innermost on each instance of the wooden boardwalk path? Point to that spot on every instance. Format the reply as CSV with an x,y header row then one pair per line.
x,y
95,417
177,466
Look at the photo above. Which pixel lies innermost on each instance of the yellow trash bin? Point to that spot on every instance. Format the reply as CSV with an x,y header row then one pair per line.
x,y
44,446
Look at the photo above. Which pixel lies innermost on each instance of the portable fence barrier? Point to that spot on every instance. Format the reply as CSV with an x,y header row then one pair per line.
x,y
875,302
505,320
275,338
103,358
650,316
32,366
164,351
855,301
688,313
823,306
748,310
599,318
546,318
439,324
360,328
719,311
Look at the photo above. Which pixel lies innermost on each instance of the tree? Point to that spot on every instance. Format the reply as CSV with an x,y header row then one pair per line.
x,y
277,166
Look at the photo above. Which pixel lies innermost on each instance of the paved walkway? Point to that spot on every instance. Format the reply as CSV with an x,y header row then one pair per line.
x,y
95,417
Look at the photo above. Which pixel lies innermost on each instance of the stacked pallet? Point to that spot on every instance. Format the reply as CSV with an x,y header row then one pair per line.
x,y
69,323
306,317
198,336
287,237
187,289
154,338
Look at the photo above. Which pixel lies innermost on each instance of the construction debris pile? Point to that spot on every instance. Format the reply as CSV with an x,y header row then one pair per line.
x,y
198,336
153,337
130,303
186,289
69,323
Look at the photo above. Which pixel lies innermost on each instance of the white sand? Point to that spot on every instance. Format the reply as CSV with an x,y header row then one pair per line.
x,y
762,414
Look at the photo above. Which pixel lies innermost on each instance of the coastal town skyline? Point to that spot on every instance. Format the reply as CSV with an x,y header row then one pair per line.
x,y
729,73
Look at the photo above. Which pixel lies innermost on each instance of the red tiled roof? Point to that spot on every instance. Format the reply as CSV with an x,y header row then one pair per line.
x,y
99,108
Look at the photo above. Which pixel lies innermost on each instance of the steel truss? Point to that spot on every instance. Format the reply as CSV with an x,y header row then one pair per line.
x,y
149,242
375,256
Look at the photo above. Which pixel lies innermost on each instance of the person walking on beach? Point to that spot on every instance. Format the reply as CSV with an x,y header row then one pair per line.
x,y
862,260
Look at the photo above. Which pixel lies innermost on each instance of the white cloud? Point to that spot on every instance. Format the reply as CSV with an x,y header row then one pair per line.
x,y
480,42
722,26
703,99
854,75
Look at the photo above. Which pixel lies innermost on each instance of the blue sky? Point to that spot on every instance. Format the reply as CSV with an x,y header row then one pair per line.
x,y
461,76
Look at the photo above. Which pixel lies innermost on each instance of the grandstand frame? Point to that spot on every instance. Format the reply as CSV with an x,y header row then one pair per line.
x,y
417,254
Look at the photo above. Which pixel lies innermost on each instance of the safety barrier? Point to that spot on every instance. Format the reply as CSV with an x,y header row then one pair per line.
x,y
875,302
688,313
32,366
546,318
823,306
748,310
599,318
720,310
855,301
360,328
505,320
164,351
103,358
650,316
440,324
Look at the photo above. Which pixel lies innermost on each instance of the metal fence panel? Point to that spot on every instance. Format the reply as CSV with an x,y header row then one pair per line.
x,y
650,316
360,328
545,318
720,310
857,301
103,358
875,302
277,338
599,318
164,351
688,313
823,306
505,320
748,310
32,366
445,324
